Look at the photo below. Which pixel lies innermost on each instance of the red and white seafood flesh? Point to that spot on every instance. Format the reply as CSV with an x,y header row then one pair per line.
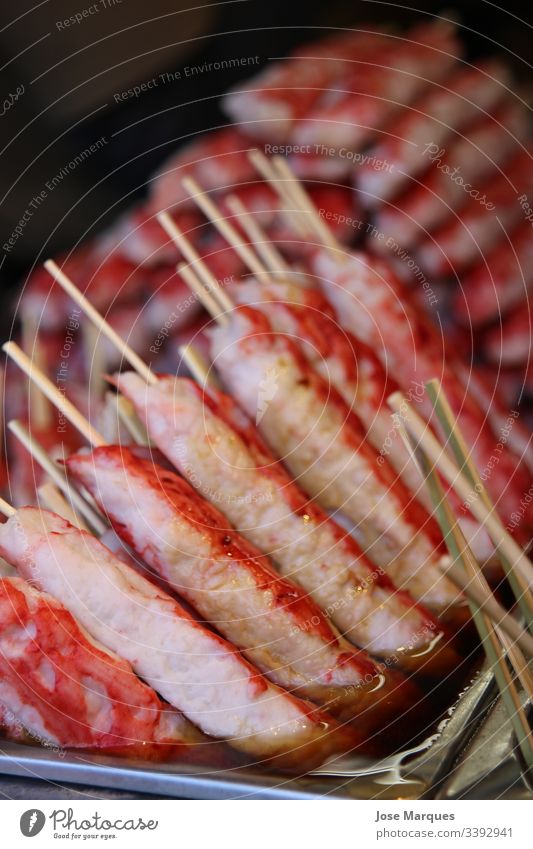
x,y
465,239
271,103
354,370
191,667
500,281
308,425
62,687
445,109
454,176
215,446
373,305
378,85
192,546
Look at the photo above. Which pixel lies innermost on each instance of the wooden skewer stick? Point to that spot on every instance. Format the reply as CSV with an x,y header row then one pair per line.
x,y
40,412
57,475
502,540
302,198
494,649
193,257
268,252
476,584
298,219
53,394
51,499
224,227
198,367
455,439
6,508
486,601
127,352
206,298
518,662
94,358
128,417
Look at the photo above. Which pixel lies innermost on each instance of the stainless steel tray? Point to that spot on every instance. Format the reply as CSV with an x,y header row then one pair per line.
x,y
414,773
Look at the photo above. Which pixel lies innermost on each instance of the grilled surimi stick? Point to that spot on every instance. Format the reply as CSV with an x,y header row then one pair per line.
x,y
137,237
192,546
447,108
271,102
372,304
210,440
308,425
454,176
390,78
466,239
191,667
500,281
353,369
219,160
510,344
68,690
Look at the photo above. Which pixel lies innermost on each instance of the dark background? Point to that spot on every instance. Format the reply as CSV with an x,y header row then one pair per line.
x,y
70,76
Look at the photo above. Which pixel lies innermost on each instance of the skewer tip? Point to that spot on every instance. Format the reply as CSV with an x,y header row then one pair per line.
x,y
6,508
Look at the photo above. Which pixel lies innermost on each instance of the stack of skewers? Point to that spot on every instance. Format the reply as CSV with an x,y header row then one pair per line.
x,y
237,596
259,555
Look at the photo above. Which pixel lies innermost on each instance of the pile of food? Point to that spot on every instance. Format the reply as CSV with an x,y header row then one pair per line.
x,y
264,568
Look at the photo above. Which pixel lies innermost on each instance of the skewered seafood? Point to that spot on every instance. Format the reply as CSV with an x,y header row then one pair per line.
x,y
394,76
353,369
65,689
209,440
454,176
193,668
308,425
413,352
445,109
501,280
277,98
195,550
465,240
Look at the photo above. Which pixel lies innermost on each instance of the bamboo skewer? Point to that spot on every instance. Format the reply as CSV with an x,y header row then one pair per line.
x,y
494,648
518,662
205,297
127,352
450,426
6,508
194,259
264,166
52,499
57,475
484,599
502,540
128,418
271,257
53,393
268,252
66,407
290,189
38,408
95,360
297,191
227,230
198,367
